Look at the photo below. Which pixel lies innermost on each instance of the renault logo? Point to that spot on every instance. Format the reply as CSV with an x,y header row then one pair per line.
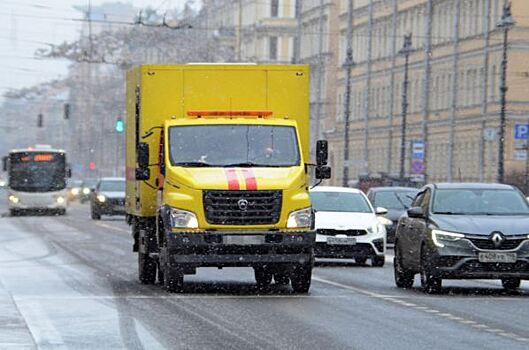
x,y
497,239
243,204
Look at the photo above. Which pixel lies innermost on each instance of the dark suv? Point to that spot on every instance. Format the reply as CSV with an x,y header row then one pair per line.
x,y
108,197
460,231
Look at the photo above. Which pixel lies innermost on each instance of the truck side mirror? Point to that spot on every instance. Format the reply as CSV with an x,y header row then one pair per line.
x,y
323,172
322,152
4,163
143,174
142,155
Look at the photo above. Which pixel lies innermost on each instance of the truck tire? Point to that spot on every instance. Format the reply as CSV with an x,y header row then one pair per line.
x,y
281,278
301,277
378,261
146,269
173,279
263,277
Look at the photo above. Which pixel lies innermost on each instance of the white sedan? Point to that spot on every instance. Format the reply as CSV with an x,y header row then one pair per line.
x,y
347,225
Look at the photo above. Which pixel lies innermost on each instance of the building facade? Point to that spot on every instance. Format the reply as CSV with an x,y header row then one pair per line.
x,y
453,92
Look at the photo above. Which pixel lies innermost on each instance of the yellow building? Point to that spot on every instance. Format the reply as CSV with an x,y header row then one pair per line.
x,y
453,93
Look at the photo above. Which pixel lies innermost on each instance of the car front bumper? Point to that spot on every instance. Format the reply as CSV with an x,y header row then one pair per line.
x,y
225,249
366,246
460,260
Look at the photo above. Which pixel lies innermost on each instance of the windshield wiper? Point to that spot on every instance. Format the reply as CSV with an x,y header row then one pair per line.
x,y
250,164
400,200
193,164
448,213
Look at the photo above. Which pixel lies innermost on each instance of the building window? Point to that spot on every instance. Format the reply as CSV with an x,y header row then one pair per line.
x,y
272,48
274,8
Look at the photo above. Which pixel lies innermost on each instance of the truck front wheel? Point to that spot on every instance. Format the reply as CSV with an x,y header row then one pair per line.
x,y
173,279
146,269
301,277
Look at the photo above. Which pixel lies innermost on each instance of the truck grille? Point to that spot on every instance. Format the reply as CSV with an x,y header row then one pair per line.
x,y
242,207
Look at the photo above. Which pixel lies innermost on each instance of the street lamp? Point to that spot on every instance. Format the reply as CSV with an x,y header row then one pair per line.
x,y
506,23
406,50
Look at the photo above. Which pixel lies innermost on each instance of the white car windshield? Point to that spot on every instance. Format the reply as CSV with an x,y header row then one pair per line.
x,y
340,202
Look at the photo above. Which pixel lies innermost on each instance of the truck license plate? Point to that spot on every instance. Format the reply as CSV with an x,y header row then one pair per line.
x,y
341,240
493,257
243,240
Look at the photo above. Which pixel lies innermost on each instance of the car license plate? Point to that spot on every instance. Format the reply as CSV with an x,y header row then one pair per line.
x,y
243,240
341,240
493,257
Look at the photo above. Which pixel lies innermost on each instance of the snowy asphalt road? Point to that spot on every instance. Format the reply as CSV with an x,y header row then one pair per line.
x,y
70,282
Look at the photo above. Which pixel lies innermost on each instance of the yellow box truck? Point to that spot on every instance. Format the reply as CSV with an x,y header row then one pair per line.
x,y
218,171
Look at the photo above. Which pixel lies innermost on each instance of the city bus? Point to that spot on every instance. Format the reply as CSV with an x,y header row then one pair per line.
x,y
36,180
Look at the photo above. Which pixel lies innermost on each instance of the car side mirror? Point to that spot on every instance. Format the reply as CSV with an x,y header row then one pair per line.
x,y
381,211
322,152
142,155
143,174
416,212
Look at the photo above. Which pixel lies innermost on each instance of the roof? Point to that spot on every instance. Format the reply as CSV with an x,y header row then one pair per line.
x,y
471,185
335,189
393,188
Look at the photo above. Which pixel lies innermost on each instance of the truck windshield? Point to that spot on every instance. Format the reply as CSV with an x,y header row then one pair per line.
x,y
233,145
37,172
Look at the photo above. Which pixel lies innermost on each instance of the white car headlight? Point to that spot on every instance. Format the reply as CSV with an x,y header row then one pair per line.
x,y
438,236
60,200
300,218
384,221
375,228
13,199
86,190
183,219
101,198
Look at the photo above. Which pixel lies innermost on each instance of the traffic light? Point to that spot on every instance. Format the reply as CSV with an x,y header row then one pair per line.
x,y
40,120
92,165
66,111
120,125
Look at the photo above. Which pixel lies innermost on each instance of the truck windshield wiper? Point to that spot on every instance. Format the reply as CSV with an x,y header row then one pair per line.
x,y
193,164
250,164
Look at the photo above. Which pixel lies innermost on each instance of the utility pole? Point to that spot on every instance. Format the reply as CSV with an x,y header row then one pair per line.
x,y
485,91
367,93
319,80
455,91
406,50
506,23
348,65
238,38
297,46
426,85
392,86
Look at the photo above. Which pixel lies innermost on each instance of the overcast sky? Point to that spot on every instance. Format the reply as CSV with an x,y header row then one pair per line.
x,y
26,25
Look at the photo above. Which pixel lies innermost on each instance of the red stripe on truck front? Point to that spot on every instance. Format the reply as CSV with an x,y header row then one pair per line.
x,y
233,182
249,177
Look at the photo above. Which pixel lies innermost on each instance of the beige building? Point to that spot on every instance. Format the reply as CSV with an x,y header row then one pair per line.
x,y
453,93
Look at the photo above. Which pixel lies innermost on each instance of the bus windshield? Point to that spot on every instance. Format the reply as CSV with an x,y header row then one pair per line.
x,y
37,171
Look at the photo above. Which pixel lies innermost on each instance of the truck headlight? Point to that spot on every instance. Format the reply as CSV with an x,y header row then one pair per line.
x,y
101,198
183,219
300,218
60,200
438,236
13,199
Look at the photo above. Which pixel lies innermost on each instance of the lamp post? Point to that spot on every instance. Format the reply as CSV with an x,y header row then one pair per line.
x,y
348,65
406,50
506,23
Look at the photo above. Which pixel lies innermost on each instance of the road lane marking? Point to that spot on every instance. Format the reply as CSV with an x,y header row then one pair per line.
x,y
111,227
433,312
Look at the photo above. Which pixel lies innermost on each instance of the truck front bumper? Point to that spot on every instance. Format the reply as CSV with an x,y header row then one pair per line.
x,y
225,249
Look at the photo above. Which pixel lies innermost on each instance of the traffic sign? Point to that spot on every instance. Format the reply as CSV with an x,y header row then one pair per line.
x,y
521,131
417,166
417,149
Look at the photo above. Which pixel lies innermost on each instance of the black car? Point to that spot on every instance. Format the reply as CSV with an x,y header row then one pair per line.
x,y
108,197
87,187
463,231
396,200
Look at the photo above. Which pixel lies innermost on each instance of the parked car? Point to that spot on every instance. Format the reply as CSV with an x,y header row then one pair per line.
x,y
347,225
108,198
460,231
396,200
86,189
73,189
